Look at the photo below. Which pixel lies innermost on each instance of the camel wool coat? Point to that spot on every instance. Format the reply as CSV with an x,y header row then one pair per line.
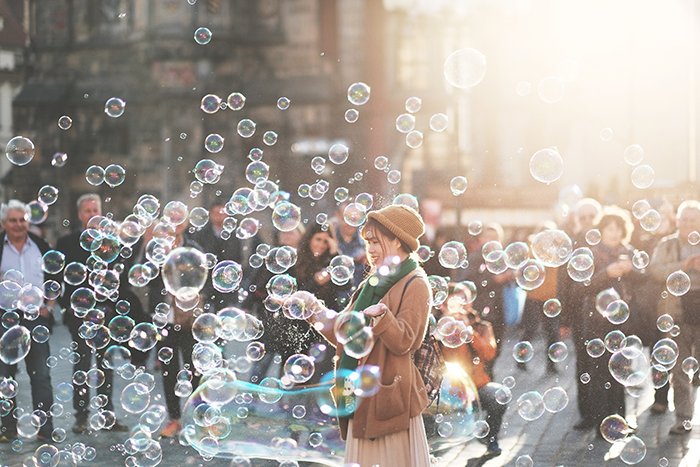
x,y
397,335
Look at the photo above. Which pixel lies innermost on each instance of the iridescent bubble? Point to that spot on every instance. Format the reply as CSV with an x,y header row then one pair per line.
x,y
202,36
552,308
557,352
414,139
458,185
59,159
358,93
210,103
270,138
629,366
614,340
247,228
53,262
246,128
614,428
65,122
474,228
678,283
114,175
352,115
338,153
523,352
226,276
257,172
214,143
299,368
530,274
593,237
205,327
595,347
664,323
452,255
546,165
381,162
405,123
184,273
406,199
634,451
355,214
393,177
438,122
48,194
555,399
651,220
689,366
283,103
465,68
15,344
550,89
516,254
286,216
530,406
236,101
552,247
135,398
413,104
199,217
115,107
634,154
694,237
20,150
643,176
95,175
640,259
37,212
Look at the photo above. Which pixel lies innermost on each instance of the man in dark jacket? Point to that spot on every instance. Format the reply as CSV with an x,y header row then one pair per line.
x,y
89,206
22,252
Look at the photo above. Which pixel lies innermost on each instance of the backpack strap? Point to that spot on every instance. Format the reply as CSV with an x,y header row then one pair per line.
x,y
405,287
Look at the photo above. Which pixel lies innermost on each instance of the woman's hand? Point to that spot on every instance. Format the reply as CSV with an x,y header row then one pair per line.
x,y
374,311
619,268
332,245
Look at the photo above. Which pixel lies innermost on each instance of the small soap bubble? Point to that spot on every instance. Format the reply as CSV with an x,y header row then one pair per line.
x,y
115,107
65,122
465,68
352,115
438,122
202,36
634,154
283,103
358,93
643,176
95,175
246,128
546,165
59,159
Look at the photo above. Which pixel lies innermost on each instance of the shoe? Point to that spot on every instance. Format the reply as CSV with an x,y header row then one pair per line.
x,y
659,408
171,430
493,449
119,427
80,426
679,429
584,424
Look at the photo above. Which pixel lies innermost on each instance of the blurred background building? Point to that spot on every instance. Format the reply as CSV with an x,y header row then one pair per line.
x,y
589,78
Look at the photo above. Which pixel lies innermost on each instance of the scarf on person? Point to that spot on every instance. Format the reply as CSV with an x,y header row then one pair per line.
x,y
373,290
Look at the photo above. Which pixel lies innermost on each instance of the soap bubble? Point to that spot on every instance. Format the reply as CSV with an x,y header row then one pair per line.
x,y
236,101
135,398
614,340
15,344
557,352
202,36
59,159
214,143
664,323
338,153
550,89
595,347
184,273
593,237
246,128
414,140
53,262
614,428
405,123
551,308
381,163
95,175
465,68
634,451
552,247
286,216
20,150
516,254
393,177
439,287
226,276
689,366
643,176
452,255
355,214
358,93
523,352
530,275
524,461
523,88
640,259
458,185
37,212
114,175
205,327
47,195
257,172
530,406
629,366
634,154
65,122
283,103
352,115
299,368
606,134
678,283
546,165
438,122
555,399
270,138
115,107
210,103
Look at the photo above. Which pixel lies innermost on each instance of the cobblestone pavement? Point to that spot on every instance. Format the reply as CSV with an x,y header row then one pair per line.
x,y
549,441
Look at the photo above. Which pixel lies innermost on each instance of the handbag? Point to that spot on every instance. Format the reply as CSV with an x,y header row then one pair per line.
x,y
428,358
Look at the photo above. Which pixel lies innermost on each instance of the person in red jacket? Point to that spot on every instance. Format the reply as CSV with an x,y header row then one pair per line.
x,y
473,357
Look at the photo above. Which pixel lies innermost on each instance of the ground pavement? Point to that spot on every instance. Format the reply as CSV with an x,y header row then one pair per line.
x,y
550,440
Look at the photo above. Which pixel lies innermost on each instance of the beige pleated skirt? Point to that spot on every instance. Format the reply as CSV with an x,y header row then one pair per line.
x,y
406,449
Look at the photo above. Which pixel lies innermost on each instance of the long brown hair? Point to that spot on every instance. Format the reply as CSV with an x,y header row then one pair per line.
x,y
308,264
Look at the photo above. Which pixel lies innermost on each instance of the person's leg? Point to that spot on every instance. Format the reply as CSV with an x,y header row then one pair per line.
x,y
529,323
170,370
186,342
108,385
494,410
9,423
40,378
684,392
81,394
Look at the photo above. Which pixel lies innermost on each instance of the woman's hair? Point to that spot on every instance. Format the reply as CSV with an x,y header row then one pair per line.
x,y
374,228
308,264
618,216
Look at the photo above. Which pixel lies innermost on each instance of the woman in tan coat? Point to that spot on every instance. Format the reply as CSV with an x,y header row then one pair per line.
x,y
386,428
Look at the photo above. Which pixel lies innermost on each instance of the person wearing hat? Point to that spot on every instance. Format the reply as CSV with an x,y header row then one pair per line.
x,y
382,425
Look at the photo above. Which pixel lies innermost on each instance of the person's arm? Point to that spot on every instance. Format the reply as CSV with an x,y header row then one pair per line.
x,y
399,329
324,323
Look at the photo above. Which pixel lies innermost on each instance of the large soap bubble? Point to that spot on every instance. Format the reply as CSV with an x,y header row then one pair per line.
x,y
15,344
546,165
185,272
465,68
20,150
552,247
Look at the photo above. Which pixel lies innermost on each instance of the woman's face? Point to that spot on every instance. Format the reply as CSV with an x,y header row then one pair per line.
x,y
319,243
380,248
612,235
